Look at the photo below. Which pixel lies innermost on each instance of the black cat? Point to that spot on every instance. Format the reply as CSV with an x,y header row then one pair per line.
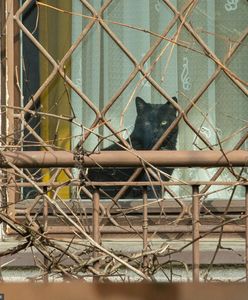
x,y
151,122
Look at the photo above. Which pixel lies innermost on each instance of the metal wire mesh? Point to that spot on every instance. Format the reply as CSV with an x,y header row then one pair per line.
x,y
73,89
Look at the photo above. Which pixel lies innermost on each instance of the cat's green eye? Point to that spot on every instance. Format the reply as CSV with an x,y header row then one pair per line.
x,y
163,123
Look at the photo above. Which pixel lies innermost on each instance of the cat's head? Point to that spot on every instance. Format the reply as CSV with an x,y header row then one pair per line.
x,y
152,121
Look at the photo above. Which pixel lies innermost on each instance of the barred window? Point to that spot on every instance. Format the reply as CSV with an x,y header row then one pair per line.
x,y
90,90
179,55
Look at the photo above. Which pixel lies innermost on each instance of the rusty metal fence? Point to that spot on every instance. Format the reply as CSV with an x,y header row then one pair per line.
x,y
46,144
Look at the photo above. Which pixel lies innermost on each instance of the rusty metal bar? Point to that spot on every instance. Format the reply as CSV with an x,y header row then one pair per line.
x,y
96,211
145,229
246,231
56,184
96,230
196,234
10,93
111,229
45,220
10,70
63,159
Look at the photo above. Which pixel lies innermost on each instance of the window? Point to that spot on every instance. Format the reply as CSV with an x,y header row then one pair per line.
x,y
72,81
179,55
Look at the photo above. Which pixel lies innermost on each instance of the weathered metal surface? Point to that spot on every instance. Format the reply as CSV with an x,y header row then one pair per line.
x,y
63,159
196,233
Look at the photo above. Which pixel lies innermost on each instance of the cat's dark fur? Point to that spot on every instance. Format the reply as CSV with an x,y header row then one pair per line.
x,y
151,122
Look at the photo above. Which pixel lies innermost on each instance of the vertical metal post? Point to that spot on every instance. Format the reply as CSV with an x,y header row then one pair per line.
x,y
96,231
246,232
45,222
2,94
10,91
96,205
10,63
196,234
145,228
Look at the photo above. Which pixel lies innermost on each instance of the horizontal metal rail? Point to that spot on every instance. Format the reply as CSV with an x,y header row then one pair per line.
x,y
111,229
132,158
174,182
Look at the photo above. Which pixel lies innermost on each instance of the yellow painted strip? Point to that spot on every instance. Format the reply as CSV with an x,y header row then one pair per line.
x,y
55,36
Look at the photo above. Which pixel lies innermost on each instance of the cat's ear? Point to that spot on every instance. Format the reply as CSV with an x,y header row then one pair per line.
x,y
140,104
170,104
